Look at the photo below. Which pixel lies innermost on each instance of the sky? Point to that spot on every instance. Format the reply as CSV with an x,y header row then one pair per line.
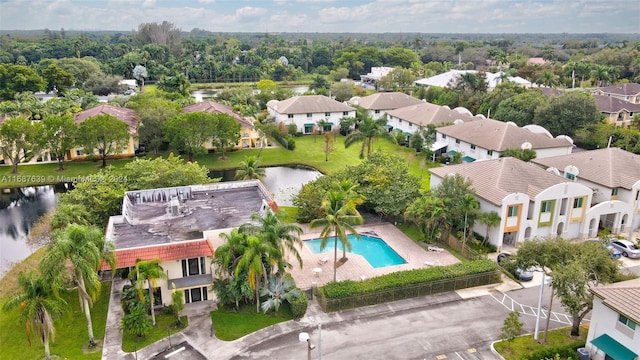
x,y
356,16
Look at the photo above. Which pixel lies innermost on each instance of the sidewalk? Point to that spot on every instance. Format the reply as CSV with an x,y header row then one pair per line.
x,y
200,336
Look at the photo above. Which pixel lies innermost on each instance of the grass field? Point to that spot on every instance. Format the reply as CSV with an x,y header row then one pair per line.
x,y
526,344
230,324
308,152
71,338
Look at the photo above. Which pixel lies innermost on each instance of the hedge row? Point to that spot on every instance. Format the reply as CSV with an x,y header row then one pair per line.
x,y
286,141
348,288
299,306
564,352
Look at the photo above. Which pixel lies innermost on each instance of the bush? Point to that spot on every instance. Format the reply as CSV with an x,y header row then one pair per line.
x,y
397,280
299,306
563,352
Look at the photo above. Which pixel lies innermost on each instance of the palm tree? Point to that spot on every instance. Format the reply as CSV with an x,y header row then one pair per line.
x,y
149,271
39,306
469,205
249,169
339,218
367,130
82,247
490,219
257,254
281,235
427,212
547,78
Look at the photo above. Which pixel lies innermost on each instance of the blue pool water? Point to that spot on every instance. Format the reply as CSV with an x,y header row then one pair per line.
x,y
373,249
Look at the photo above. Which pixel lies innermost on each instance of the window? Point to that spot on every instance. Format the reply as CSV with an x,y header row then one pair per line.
x,y
309,115
290,116
545,207
570,176
377,111
489,152
512,211
345,113
444,136
614,192
79,152
473,147
577,203
457,141
195,295
627,322
193,266
308,128
327,114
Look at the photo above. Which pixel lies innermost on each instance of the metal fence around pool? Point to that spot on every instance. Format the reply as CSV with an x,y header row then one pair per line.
x,y
409,291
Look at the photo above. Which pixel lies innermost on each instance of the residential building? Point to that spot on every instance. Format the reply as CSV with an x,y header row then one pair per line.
x,y
488,139
615,110
410,118
309,111
613,175
378,104
249,137
531,202
629,92
614,330
128,116
370,80
537,61
181,226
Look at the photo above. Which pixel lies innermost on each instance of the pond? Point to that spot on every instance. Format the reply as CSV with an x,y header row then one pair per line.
x,y
20,208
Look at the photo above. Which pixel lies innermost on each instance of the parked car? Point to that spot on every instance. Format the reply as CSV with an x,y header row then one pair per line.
x,y
504,259
626,247
615,254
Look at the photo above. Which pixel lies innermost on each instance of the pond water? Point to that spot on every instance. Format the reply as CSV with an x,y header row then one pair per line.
x,y
20,208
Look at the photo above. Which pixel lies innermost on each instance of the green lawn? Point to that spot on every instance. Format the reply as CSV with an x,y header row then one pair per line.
x,y
230,324
165,325
526,344
71,331
308,152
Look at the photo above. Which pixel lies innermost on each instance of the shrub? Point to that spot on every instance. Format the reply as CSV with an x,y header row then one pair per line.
x,y
563,352
299,306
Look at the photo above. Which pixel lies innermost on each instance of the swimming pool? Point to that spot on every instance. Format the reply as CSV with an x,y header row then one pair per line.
x,y
373,249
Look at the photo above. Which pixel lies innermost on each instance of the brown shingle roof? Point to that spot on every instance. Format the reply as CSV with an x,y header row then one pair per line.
x,y
611,167
622,299
549,92
128,116
622,89
384,101
214,107
499,136
164,252
610,104
493,180
308,104
427,113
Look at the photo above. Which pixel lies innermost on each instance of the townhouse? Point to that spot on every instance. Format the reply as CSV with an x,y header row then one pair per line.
x,y
629,92
614,329
378,104
615,110
613,175
308,112
531,202
488,139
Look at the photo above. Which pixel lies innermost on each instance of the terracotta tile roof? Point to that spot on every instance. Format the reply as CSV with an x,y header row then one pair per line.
x,y
610,104
493,180
214,107
128,116
499,136
164,252
611,167
622,89
426,113
622,299
308,104
384,101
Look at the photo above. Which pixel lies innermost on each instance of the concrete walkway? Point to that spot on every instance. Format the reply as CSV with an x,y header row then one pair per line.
x,y
200,335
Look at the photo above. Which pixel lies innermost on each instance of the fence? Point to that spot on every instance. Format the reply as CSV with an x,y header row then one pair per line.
x,y
466,251
406,292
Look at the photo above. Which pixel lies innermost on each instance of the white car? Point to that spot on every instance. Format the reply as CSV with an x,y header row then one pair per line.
x,y
626,247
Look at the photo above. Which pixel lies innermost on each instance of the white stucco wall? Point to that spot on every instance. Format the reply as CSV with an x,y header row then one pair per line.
x,y
605,321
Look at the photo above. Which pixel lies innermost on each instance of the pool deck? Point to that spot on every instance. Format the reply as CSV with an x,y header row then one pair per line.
x,y
357,268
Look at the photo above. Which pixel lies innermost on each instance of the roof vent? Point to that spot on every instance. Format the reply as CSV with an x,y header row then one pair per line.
x,y
526,146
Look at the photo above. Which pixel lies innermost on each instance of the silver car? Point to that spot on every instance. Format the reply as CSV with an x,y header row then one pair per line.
x,y
626,247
